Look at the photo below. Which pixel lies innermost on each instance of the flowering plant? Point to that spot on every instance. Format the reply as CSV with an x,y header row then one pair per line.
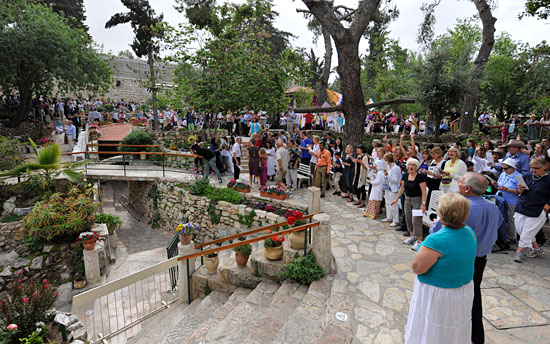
x,y
237,184
273,190
294,218
88,236
187,228
93,125
269,208
45,140
24,308
274,241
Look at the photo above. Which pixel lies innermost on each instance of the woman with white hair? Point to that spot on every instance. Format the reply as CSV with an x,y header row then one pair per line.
x,y
376,193
454,169
443,294
413,186
507,185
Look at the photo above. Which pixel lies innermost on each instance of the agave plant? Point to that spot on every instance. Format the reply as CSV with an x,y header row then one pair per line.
x,y
47,164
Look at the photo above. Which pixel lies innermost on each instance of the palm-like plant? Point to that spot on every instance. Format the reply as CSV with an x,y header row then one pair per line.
x,y
47,164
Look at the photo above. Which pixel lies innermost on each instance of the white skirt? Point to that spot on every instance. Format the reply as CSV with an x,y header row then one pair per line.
x,y
440,315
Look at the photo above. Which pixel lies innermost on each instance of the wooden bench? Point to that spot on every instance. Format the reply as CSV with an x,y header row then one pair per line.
x,y
304,174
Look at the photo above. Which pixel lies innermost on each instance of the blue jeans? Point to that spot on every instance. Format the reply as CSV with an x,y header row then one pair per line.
x,y
349,181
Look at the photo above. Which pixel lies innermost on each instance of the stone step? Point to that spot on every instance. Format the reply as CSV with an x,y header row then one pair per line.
x,y
153,329
198,336
233,328
338,326
306,324
195,317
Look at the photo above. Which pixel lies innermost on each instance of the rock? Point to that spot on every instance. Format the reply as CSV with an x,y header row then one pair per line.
x,y
6,272
8,258
20,262
75,326
47,248
36,263
9,206
79,335
64,275
65,296
78,342
22,211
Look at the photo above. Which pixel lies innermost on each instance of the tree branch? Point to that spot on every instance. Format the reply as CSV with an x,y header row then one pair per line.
x,y
365,12
339,107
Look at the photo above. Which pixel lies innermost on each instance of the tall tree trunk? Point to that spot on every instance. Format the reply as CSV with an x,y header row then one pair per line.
x,y
353,102
473,89
25,102
153,89
322,92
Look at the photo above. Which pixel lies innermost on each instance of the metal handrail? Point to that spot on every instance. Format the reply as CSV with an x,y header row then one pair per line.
x,y
250,241
117,145
254,231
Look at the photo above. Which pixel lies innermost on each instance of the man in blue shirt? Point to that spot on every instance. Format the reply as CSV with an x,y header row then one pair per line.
x,y
522,160
305,157
485,219
70,131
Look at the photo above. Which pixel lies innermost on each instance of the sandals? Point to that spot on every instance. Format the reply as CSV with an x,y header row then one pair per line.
x,y
350,200
361,206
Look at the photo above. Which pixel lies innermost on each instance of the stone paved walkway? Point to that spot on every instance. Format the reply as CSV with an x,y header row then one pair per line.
x,y
374,267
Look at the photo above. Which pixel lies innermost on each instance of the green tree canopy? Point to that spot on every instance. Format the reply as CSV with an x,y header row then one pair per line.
x,y
41,49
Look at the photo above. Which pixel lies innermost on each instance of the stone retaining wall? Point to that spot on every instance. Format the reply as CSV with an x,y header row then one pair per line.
x,y
174,203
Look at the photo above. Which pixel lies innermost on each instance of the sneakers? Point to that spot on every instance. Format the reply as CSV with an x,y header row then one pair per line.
x,y
416,244
518,257
409,241
534,253
386,220
395,224
220,181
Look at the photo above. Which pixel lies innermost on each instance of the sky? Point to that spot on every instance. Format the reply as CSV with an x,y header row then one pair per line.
x,y
404,29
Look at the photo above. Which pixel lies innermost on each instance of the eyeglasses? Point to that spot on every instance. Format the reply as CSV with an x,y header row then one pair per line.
x,y
505,168
535,168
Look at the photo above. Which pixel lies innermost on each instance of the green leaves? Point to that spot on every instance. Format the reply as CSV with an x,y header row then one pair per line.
x,y
303,270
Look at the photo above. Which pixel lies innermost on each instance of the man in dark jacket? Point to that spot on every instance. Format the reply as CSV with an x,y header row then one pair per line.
x,y
209,161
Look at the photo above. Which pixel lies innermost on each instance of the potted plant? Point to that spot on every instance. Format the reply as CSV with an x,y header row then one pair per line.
x,y
273,192
185,231
241,254
273,247
294,219
112,221
88,240
212,261
239,186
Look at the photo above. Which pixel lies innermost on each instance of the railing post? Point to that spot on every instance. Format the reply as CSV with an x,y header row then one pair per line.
x,y
321,242
163,174
185,268
124,163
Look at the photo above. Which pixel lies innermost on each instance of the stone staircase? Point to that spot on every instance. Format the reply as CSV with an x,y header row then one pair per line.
x,y
246,308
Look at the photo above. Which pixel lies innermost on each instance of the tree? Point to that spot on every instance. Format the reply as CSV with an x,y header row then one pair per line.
x,y
536,8
346,40
441,80
73,10
28,67
235,65
148,29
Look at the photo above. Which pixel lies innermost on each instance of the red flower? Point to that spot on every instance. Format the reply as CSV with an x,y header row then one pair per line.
x,y
268,231
46,286
281,238
45,281
298,215
291,220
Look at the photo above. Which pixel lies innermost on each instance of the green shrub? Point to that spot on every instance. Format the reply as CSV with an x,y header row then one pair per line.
x,y
61,216
10,155
10,218
136,137
25,304
245,250
303,270
112,221
199,187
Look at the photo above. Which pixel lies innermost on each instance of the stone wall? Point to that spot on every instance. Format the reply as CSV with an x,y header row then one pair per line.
x,y
174,203
175,136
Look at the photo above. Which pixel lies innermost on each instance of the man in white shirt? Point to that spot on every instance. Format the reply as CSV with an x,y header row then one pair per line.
x,y
281,160
290,121
236,153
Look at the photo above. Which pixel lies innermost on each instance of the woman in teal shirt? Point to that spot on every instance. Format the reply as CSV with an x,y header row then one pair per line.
x,y
441,304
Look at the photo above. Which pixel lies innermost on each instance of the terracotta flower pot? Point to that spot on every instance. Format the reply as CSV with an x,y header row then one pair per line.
x,y
280,197
242,190
89,245
212,264
79,284
241,260
297,239
273,253
185,239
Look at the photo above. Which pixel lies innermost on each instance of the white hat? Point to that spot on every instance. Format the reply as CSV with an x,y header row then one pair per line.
x,y
510,162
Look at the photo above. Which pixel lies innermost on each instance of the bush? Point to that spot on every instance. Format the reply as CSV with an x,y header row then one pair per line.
x,y
10,155
303,270
10,218
112,221
25,305
61,216
136,137
199,187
